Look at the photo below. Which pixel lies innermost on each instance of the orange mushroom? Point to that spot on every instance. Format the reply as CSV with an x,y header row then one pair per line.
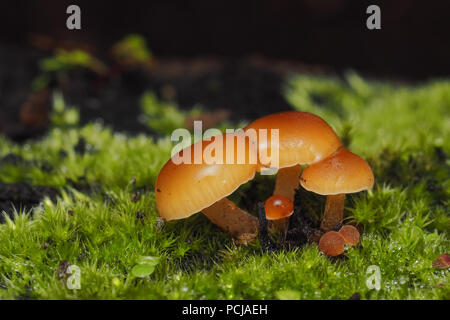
x,y
187,188
303,138
342,172
278,209
332,243
350,234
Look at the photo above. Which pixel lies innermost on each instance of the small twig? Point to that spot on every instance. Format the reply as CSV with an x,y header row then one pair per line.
x,y
266,244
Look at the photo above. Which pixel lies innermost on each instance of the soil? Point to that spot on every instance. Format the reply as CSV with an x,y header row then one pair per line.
x,y
22,196
19,67
304,227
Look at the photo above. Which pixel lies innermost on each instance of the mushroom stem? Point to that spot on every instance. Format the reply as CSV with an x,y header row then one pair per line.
x,y
233,220
334,211
285,185
287,181
277,229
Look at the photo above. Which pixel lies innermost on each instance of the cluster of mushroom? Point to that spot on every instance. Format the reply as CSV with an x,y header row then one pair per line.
x,y
304,139
333,243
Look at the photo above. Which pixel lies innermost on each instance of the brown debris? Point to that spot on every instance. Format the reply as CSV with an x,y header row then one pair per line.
x,y
62,270
209,119
443,262
355,296
35,112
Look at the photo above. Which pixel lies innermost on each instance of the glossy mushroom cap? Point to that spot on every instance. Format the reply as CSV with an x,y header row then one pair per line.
x,y
278,207
303,137
342,172
184,189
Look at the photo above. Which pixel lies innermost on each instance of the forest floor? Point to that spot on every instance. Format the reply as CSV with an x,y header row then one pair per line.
x,y
82,194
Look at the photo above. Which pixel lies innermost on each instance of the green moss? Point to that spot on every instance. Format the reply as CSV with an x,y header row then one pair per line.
x,y
133,48
106,223
377,115
62,62
161,117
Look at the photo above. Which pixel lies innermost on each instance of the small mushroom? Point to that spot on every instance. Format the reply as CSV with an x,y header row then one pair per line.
x,y
332,243
278,209
303,138
342,172
187,188
350,234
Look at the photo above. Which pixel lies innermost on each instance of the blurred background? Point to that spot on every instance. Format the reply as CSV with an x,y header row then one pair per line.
x,y
219,60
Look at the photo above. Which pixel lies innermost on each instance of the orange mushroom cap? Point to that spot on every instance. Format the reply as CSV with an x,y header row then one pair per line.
x,y
278,207
184,189
350,234
342,172
303,137
332,243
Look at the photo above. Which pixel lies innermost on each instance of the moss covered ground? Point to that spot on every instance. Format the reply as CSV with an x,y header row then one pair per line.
x,y
105,220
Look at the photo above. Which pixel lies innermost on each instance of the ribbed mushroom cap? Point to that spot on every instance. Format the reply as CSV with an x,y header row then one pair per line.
x,y
342,172
184,189
303,137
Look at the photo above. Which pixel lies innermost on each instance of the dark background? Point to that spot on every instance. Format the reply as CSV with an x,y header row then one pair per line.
x,y
413,42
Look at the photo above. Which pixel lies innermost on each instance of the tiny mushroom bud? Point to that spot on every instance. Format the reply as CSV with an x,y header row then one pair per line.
x,y
350,235
183,189
332,243
342,172
278,210
442,262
